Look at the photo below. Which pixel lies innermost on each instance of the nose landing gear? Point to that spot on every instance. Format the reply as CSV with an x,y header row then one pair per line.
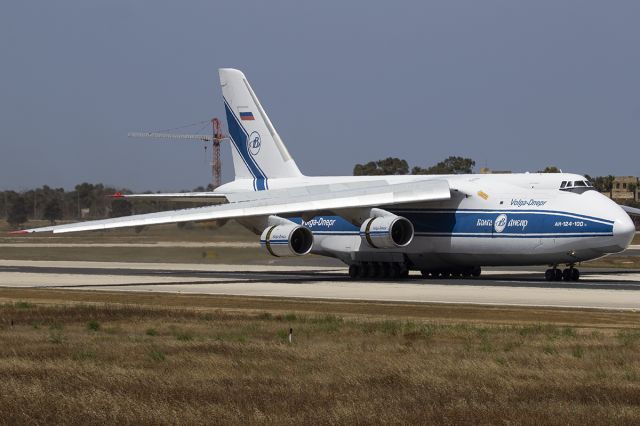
x,y
568,274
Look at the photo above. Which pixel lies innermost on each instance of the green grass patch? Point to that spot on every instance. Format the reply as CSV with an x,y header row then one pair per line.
x,y
184,336
156,355
93,325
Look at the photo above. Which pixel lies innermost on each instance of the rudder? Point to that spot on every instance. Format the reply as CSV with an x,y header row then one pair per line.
x,y
258,151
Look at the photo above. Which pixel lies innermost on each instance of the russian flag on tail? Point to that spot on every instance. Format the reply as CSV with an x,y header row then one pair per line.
x,y
246,116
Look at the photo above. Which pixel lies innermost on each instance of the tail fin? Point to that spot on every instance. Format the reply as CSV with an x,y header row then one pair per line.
x,y
258,151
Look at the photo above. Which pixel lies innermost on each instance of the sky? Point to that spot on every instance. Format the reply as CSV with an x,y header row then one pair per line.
x,y
514,85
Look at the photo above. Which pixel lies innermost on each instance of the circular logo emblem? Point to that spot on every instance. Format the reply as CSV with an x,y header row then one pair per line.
x,y
500,223
254,142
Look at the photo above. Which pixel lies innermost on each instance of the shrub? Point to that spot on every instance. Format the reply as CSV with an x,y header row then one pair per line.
x,y
93,325
157,355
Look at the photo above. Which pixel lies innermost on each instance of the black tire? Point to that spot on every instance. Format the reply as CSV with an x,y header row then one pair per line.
x,y
354,271
425,273
558,274
575,274
476,271
549,275
385,270
395,271
373,270
566,274
364,271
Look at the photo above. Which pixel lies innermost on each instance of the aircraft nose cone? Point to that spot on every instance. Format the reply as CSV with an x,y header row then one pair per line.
x,y
623,231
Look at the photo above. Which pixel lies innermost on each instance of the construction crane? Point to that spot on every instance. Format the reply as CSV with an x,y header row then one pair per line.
x,y
216,137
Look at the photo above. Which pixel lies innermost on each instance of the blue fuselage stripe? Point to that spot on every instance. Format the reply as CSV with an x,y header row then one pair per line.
x,y
479,224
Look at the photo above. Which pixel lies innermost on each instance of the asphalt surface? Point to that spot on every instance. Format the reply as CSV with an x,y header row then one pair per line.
x,y
598,288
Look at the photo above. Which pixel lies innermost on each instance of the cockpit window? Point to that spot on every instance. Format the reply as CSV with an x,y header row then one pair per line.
x,y
576,186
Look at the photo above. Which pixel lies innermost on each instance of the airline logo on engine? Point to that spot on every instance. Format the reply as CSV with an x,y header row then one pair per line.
x,y
320,222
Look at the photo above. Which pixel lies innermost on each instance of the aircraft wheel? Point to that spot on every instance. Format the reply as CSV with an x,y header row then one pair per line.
x,y
575,274
446,274
354,271
364,271
549,275
566,274
385,270
466,273
425,273
395,271
404,272
558,274
373,270
456,274
476,271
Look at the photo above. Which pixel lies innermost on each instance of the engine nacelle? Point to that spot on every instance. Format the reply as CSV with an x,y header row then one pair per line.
x,y
287,240
389,231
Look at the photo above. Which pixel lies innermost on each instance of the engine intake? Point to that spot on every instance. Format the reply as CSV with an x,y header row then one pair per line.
x,y
287,240
389,231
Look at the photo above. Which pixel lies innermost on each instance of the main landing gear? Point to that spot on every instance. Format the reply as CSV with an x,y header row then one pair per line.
x,y
474,272
568,274
378,270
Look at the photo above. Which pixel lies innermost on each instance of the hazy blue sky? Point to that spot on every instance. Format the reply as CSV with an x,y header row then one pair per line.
x,y
514,85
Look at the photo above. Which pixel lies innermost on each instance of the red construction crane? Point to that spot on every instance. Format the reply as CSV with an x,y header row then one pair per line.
x,y
215,137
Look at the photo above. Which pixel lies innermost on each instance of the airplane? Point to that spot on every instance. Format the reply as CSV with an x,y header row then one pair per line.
x,y
386,226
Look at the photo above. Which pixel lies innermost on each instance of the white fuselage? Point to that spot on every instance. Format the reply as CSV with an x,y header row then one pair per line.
x,y
505,219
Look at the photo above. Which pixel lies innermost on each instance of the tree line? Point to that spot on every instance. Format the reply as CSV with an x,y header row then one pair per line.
x,y
85,201
453,166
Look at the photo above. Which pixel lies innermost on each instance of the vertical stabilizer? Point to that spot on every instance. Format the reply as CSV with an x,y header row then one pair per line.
x,y
258,151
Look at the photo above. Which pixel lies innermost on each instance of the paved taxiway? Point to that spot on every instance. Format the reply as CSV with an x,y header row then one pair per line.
x,y
520,287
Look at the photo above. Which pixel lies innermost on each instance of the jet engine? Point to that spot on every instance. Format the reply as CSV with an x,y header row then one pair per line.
x,y
287,240
387,231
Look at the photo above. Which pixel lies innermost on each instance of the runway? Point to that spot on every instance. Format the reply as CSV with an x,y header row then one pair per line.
x,y
514,287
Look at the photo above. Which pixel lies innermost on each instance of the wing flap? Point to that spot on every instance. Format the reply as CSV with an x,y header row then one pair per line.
x,y
189,197
283,203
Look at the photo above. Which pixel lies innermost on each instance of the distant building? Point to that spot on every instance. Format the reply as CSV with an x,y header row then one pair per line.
x,y
625,188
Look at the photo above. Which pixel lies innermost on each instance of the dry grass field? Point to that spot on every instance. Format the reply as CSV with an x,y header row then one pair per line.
x,y
96,358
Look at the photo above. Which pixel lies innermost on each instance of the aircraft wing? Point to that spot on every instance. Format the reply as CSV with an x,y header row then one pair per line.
x,y
630,210
189,197
335,198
